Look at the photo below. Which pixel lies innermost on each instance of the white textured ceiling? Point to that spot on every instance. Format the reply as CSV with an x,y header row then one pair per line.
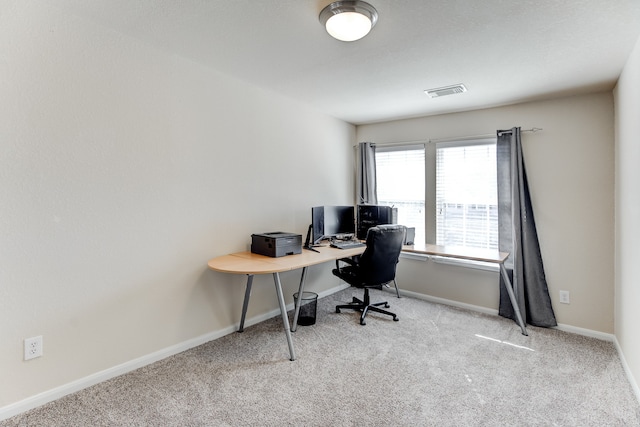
x,y
504,51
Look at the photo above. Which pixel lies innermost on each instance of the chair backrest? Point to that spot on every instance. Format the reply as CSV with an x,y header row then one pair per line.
x,y
379,260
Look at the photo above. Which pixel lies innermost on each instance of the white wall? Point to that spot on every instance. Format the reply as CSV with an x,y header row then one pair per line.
x,y
627,268
122,171
570,166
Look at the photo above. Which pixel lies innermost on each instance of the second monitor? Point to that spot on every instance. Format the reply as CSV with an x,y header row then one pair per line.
x,y
329,222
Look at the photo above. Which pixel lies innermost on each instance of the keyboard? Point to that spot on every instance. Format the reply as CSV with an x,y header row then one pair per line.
x,y
347,245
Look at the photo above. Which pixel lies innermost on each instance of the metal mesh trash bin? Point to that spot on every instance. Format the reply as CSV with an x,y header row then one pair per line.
x,y
308,307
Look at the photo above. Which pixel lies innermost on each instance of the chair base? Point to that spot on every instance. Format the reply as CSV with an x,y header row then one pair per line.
x,y
366,306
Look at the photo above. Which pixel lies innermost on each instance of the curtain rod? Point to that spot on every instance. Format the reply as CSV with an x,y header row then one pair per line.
x,y
486,135
457,138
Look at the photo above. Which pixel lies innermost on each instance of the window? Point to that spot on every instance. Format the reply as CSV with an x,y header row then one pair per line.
x,y
466,195
451,201
400,183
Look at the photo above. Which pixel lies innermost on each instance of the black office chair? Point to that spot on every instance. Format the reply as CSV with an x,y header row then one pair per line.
x,y
374,268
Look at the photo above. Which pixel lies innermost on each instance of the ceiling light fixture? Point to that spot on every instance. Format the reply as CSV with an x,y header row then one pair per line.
x,y
349,20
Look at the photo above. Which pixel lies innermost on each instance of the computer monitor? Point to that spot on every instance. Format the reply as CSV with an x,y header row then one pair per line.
x,y
373,215
332,222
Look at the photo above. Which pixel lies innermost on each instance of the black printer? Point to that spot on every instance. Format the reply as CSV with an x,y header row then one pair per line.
x,y
276,244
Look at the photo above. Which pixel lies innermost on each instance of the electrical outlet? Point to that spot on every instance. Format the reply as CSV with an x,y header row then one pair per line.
x,y
564,297
32,347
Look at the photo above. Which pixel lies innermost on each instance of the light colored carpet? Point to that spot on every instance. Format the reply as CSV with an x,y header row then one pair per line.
x,y
437,366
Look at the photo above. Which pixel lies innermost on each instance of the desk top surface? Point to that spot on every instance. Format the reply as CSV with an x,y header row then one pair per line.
x,y
250,263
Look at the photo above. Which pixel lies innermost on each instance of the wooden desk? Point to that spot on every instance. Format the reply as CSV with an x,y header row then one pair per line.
x,y
251,264
473,254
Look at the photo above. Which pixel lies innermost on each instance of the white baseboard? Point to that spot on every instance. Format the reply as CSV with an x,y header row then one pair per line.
x,y
444,301
562,327
88,381
586,332
82,383
627,370
606,337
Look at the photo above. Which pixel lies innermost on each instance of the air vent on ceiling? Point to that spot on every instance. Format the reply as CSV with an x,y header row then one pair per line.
x,y
446,90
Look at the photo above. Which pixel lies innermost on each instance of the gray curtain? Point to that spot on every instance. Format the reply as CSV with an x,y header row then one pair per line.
x,y
518,236
366,192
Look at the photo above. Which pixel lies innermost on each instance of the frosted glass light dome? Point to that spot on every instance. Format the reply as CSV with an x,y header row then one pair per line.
x,y
348,20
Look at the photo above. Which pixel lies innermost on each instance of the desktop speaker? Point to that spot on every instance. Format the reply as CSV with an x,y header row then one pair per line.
x,y
410,236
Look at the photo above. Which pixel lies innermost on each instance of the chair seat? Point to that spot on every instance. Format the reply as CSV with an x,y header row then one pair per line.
x,y
350,275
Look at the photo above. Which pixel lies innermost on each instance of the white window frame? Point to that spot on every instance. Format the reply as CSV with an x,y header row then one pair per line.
x,y
430,194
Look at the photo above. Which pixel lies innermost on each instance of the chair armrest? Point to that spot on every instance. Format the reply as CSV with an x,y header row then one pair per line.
x,y
349,261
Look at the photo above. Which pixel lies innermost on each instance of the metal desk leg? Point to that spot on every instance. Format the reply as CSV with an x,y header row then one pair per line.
x,y
396,285
285,318
294,326
512,297
245,304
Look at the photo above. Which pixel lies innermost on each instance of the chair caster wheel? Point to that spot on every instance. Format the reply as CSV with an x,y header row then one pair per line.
x,y
387,306
337,310
363,322
395,319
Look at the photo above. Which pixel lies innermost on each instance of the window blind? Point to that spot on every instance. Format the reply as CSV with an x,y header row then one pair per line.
x,y
466,194
400,178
